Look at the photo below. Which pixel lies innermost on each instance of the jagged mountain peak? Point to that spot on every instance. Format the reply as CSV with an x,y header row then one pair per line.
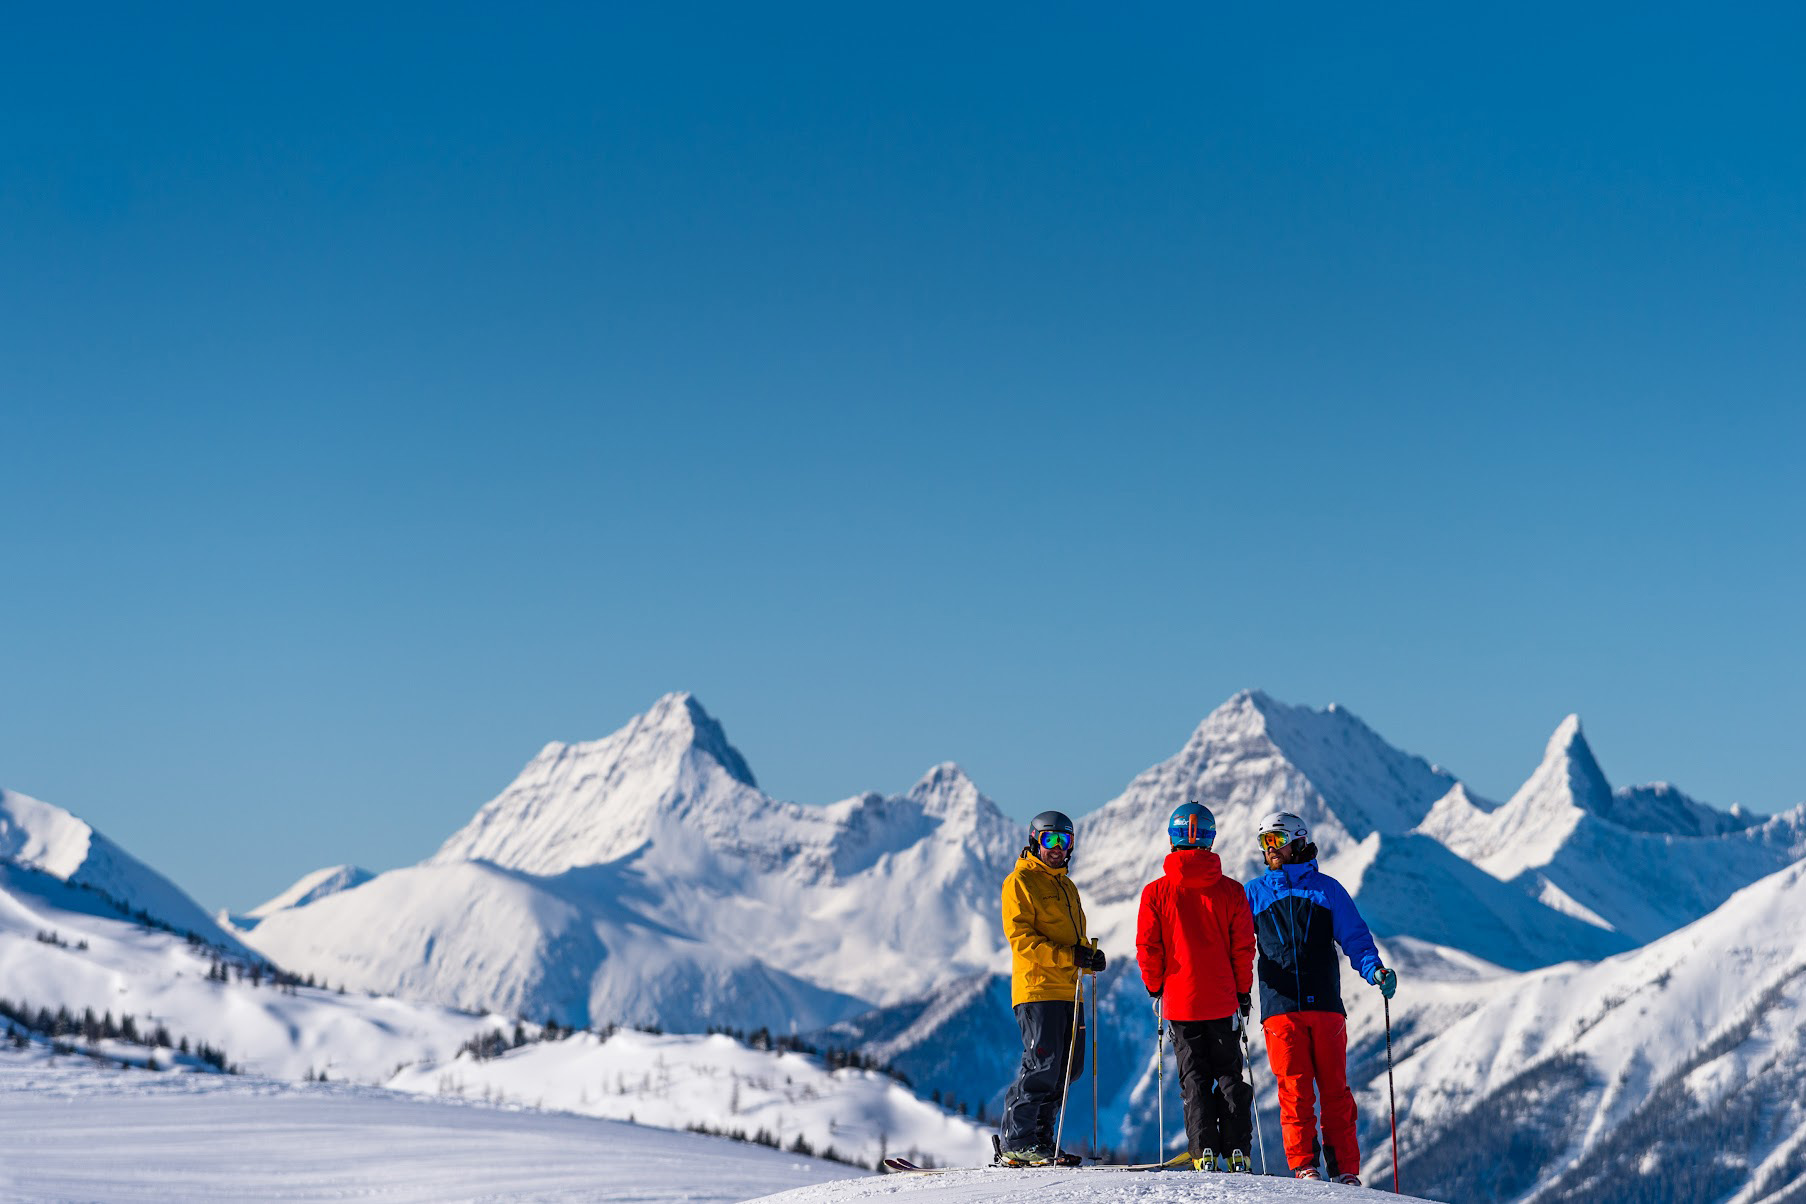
x,y
948,792
1569,774
1250,756
593,802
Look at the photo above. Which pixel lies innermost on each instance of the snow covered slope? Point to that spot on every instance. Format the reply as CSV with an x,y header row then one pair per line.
x,y
103,962
645,879
75,1132
48,838
675,1082
1674,1072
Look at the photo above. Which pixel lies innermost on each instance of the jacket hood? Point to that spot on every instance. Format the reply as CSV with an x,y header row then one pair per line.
x,y
1194,867
1295,873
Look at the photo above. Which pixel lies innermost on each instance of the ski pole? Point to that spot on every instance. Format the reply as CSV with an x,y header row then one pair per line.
x,y
1078,992
1094,1059
1160,1071
1391,1097
1253,1111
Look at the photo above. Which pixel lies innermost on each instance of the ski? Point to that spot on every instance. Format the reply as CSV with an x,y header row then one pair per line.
x,y
903,1166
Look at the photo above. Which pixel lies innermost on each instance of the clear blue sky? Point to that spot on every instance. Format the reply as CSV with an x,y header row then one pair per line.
x,y
384,394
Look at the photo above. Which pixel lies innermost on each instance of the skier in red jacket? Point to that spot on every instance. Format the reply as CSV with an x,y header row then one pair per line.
x,y
1195,943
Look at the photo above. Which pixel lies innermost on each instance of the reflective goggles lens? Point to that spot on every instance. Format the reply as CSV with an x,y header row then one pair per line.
x,y
1056,840
1270,841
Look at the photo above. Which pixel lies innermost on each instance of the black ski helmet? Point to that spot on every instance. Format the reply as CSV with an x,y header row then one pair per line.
x,y
1048,821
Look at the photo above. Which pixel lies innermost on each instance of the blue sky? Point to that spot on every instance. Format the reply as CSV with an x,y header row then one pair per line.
x,y
383,395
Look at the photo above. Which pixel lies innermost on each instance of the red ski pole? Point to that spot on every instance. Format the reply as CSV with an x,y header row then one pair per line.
x,y
1391,1097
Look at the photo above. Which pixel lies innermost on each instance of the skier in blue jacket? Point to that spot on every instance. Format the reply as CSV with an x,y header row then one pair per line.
x,y
1300,915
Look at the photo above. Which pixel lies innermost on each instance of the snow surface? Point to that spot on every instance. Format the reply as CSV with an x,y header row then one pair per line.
x,y
73,1132
1091,1185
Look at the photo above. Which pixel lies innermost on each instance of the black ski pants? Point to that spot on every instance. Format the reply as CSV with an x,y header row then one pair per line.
x,y
1218,1101
1032,1107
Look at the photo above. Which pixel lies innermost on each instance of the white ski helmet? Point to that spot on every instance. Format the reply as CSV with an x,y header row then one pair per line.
x,y
1290,828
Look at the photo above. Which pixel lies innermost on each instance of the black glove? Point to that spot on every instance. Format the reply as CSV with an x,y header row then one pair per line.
x,y
1088,958
1245,1002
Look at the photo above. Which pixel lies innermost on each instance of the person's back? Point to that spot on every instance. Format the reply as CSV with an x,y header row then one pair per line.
x,y
1195,946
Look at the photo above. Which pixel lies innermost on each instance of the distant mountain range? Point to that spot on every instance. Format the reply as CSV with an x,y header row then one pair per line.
x,y
644,878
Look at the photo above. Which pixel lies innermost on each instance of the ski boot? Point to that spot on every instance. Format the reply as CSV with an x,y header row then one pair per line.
x,y
1309,1172
1207,1161
1351,1180
1239,1164
1028,1155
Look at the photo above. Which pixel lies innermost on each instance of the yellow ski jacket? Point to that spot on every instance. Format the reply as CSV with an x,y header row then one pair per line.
x,y
1042,921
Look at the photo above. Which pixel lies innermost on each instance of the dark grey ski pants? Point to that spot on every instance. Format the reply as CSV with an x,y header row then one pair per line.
x,y
1032,1107
1218,1101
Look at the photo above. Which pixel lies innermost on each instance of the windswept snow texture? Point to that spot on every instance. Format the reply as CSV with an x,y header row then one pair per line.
x,y
74,1133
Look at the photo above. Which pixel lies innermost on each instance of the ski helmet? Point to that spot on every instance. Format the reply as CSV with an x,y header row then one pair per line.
x,y
1281,829
1046,824
1192,826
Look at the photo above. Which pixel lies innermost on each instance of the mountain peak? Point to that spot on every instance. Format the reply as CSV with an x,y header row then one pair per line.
x,y
948,792
590,803
1568,759
682,714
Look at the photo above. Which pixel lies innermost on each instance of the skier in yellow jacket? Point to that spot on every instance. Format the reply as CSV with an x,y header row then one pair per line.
x,y
1045,926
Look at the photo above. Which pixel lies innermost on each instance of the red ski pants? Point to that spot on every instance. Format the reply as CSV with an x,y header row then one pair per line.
x,y
1309,1055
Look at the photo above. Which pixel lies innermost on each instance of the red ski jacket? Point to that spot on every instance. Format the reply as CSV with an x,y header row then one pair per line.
x,y
1195,937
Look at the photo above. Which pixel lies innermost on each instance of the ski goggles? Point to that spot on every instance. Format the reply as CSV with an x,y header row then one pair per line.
x,y
1056,840
1271,841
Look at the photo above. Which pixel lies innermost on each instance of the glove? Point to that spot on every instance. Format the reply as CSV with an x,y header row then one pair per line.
x,y
1088,958
1386,980
1245,1004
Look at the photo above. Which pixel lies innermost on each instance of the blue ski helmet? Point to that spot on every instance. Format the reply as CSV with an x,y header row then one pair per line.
x,y
1192,827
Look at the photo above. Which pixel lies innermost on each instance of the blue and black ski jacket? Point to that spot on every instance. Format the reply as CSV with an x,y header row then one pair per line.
x,y
1300,916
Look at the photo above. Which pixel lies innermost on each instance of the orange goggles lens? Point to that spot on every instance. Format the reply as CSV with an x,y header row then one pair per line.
x,y
1273,840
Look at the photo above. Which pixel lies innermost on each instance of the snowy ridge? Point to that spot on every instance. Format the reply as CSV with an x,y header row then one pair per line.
x,y
313,887
643,879
1677,1063
48,838
1560,839
1249,757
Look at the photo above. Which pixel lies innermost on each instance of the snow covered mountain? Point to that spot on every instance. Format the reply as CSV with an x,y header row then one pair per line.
x,y
309,888
40,836
1674,1072
75,973
1640,862
644,878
